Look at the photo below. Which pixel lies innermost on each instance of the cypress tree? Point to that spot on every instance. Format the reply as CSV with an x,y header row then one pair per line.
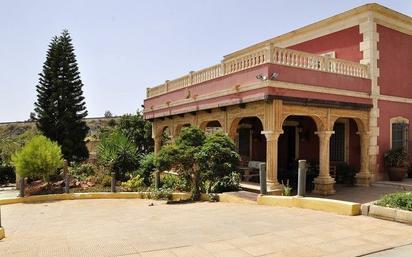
x,y
60,106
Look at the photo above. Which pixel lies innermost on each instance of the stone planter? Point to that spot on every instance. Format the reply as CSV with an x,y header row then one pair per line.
x,y
397,173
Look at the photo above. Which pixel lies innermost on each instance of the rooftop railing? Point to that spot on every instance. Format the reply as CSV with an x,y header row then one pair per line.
x,y
267,54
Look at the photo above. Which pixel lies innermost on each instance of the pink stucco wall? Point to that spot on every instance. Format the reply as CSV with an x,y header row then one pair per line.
x,y
344,43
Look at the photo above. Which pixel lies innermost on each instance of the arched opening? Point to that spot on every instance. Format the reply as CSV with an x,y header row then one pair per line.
x,y
251,146
298,142
166,136
179,128
345,151
212,126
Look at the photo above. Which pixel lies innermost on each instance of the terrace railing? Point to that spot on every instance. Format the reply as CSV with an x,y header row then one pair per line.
x,y
266,54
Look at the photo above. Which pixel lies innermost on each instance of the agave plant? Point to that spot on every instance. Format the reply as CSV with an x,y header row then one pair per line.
x,y
118,153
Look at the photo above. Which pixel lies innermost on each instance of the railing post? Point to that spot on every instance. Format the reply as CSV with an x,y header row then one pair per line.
x,y
21,182
191,77
66,176
167,85
302,178
262,178
157,179
113,183
222,68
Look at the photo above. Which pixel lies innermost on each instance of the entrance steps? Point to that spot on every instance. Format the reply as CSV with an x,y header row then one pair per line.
x,y
250,187
243,196
405,184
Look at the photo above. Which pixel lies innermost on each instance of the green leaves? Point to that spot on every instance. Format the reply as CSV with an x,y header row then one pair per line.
x,y
138,130
396,158
38,158
118,152
401,200
202,158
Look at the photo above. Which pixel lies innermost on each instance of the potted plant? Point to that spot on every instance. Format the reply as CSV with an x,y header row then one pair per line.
x,y
396,161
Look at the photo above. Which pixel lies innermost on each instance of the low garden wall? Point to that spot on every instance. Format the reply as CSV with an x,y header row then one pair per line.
x,y
319,204
387,213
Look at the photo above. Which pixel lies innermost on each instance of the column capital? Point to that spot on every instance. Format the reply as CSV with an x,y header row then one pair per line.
x,y
271,135
324,133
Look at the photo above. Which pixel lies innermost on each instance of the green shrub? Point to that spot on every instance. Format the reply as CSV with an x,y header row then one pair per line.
x,y
396,158
286,189
400,200
218,162
119,154
202,158
138,131
160,194
147,167
40,157
226,183
181,157
175,183
134,184
82,171
104,180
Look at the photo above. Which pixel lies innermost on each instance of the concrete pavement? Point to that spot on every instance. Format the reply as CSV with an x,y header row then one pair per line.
x,y
132,228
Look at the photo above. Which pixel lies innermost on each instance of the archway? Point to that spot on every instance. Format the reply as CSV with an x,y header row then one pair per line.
x,y
179,127
298,142
345,150
165,136
211,126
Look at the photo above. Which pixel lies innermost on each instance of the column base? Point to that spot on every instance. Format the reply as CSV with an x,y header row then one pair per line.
x,y
274,188
324,186
363,179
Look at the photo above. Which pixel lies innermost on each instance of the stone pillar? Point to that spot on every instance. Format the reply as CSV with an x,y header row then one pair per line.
x,y
324,183
157,144
363,178
273,185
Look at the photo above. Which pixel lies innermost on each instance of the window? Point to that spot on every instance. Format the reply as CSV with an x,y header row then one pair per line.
x,y
337,143
400,131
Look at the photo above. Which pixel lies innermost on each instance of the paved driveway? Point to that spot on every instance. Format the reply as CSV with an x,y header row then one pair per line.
x,y
132,228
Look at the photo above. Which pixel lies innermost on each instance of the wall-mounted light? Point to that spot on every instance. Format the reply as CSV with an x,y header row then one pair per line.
x,y
265,77
262,77
274,76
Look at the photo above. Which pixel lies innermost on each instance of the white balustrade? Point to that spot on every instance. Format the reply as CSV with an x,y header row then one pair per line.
x,y
275,55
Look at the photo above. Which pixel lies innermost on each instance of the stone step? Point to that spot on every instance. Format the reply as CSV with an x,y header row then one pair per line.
x,y
402,185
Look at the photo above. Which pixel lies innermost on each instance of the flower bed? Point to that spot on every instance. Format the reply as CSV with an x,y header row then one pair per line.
x,y
400,200
395,207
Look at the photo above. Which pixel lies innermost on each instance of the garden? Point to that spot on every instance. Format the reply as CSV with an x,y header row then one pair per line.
x,y
194,162
51,155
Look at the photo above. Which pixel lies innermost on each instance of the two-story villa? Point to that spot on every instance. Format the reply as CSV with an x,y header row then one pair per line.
x,y
336,91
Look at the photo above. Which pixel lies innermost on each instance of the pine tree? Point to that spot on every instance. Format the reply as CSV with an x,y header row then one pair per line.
x,y
60,106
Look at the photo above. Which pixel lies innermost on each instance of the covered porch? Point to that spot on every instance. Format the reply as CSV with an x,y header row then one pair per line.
x,y
335,147
333,137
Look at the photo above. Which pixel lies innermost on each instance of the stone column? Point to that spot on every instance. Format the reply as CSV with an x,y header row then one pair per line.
x,y
363,178
157,144
273,185
324,183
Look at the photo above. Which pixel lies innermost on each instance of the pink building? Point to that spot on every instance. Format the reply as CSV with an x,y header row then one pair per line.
x,y
335,92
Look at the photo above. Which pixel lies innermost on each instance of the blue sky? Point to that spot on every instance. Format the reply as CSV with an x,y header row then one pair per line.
x,y
125,46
